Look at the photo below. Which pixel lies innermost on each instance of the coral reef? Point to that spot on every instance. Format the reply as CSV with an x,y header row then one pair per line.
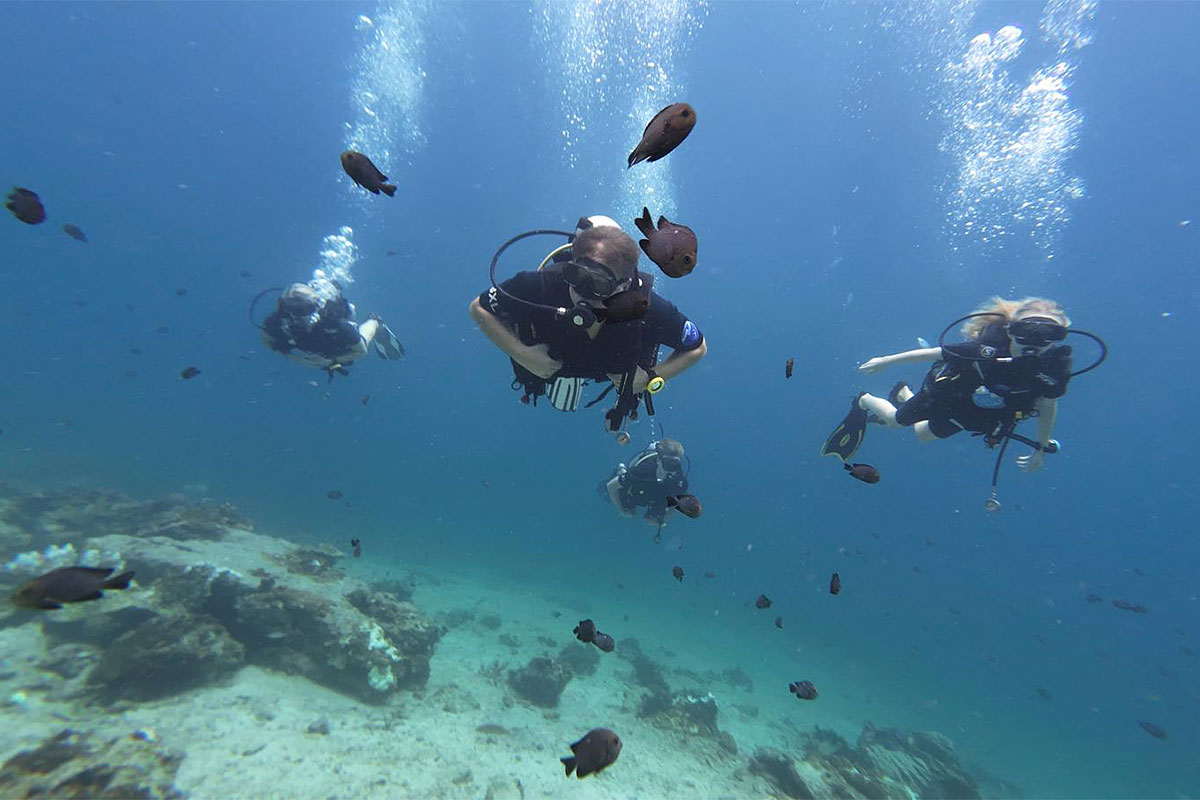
x,y
193,622
541,681
317,562
169,654
581,659
883,763
71,516
71,765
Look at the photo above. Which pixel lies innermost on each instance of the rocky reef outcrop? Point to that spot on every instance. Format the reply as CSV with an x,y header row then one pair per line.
x,y
206,603
72,765
883,763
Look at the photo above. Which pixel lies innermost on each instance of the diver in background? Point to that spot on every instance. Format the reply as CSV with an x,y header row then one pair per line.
x,y
1012,366
591,316
313,323
653,478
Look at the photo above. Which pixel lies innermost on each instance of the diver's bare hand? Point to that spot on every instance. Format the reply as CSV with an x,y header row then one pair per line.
x,y
1032,462
640,379
873,365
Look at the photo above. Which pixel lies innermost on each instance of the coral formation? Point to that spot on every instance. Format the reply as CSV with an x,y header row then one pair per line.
x,y
71,765
883,763
541,681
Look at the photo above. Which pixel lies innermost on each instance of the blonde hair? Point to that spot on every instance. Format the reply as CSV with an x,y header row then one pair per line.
x,y
998,309
669,447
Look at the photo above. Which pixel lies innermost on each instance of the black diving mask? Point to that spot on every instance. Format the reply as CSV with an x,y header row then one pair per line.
x,y
591,279
1036,332
671,464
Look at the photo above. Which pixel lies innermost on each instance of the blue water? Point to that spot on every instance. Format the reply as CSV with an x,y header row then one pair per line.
x,y
194,141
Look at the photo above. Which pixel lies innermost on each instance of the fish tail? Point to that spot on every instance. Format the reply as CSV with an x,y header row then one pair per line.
x,y
119,582
569,764
672,502
388,189
644,223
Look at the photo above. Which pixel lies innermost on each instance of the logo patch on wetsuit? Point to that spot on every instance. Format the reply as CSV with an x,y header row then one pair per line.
x,y
987,351
691,334
493,300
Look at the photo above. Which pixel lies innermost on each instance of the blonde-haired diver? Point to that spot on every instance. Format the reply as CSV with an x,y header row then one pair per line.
x,y
1012,366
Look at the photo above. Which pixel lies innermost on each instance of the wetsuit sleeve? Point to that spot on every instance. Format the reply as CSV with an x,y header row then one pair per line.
x,y
1059,368
667,325
525,285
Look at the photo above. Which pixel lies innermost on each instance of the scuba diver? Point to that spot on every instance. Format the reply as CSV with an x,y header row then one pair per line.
x,y
1013,366
655,479
587,314
313,323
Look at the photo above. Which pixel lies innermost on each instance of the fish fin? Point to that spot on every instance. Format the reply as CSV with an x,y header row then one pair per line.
x,y
645,245
672,502
645,223
568,764
847,467
633,157
663,221
96,595
388,189
48,604
119,582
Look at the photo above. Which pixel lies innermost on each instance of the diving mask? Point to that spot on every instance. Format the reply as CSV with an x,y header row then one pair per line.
x,y
1036,332
591,279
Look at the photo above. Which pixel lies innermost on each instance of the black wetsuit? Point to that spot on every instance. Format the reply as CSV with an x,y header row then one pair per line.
x,y
641,487
333,334
616,349
947,394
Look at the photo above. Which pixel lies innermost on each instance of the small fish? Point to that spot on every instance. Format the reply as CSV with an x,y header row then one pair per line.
x,y
334,494
135,351
762,602
804,690
788,366
181,292
835,583
710,574
366,399
75,232
1153,730
162,329
391,252
245,273
357,545
664,133
863,472
187,373
598,749
366,174
585,631
779,623
686,504
69,585
672,247
678,573
1044,694
1094,598
627,306
26,206
1125,605
604,642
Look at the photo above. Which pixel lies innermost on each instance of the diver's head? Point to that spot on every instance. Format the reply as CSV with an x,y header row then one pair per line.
x,y
670,453
603,263
1036,325
300,304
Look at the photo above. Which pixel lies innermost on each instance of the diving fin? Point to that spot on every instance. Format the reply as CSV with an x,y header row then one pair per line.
x,y
387,346
846,437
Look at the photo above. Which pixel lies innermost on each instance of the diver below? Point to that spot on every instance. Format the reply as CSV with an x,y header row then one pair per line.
x,y
1012,366
313,324
587,314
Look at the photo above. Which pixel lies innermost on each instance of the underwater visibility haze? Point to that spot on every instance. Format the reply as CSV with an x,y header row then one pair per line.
x,y
415,576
